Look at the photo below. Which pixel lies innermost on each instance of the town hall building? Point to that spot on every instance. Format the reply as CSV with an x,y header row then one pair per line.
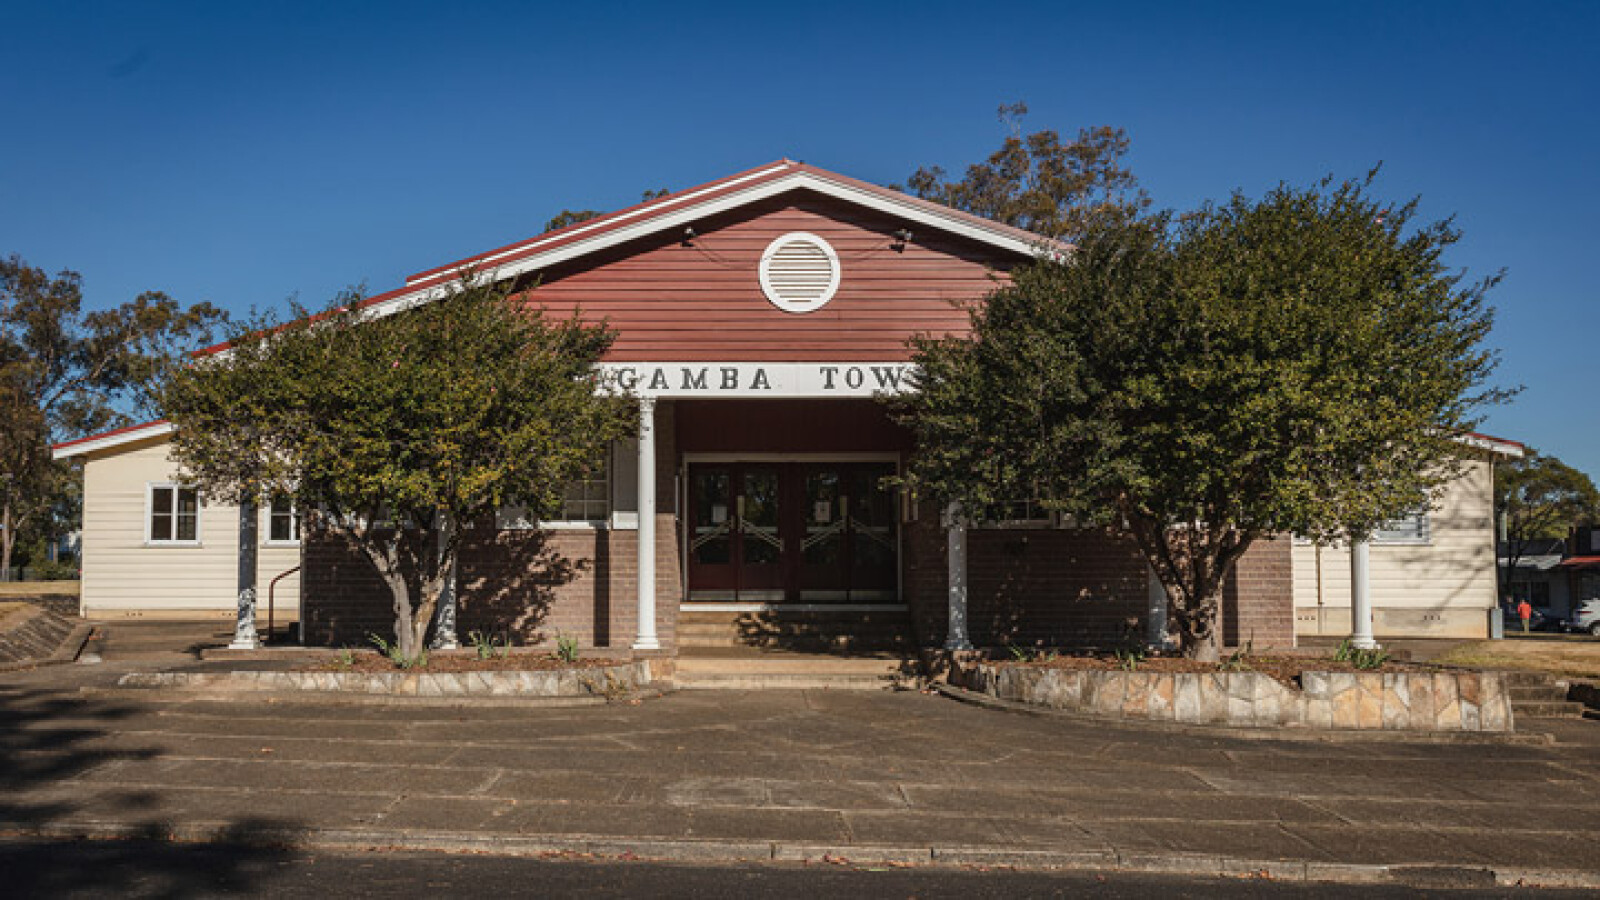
x,y
759,319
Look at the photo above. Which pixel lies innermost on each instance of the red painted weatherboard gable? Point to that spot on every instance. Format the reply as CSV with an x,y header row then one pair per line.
x,y
701,300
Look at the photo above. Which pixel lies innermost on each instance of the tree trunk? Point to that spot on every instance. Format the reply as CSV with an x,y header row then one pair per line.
x,y
8,539
400,595
1199,631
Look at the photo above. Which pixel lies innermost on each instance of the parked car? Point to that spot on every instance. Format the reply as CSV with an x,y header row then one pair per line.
x,y
1541,621
1587,617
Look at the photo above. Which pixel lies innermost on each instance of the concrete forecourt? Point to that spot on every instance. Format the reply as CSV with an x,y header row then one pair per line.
x,y
721,776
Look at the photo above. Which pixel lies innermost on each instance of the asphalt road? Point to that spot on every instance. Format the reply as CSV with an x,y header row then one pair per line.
x,y
136,869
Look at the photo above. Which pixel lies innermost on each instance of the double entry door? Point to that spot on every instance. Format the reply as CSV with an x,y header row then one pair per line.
x,y
792,533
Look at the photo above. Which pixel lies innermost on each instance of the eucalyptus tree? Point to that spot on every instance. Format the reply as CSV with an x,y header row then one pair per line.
x,y
66,372
1058,188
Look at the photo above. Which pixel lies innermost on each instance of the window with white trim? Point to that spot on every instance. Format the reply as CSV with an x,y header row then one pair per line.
x,y
1023,512
283,522
586,501
173,515
1412,529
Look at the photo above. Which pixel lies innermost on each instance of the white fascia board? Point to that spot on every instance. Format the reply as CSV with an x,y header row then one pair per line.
x,y
608,222
159,429
1501,448
914,213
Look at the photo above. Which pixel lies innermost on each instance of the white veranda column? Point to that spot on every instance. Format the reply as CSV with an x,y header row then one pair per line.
x,y
444,631
646,639
244,626
955,524
1156,596
1360,597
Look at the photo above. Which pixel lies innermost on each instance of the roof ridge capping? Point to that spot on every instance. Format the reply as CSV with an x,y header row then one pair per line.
x,y
736,190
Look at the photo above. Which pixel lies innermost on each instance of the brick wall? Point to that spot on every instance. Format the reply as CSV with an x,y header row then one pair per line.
x,y
528,584
1055,587
1050,587
1258,598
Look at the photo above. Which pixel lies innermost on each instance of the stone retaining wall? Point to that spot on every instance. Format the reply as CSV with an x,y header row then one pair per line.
x,y
590,681
1396,701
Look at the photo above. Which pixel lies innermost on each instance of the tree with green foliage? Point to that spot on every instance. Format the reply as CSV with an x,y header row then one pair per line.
x,y
392,430
1057,189
1540,496
573,216
66,372
1297,364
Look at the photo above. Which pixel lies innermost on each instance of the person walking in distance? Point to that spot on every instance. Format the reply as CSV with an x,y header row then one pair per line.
x,y
1525,611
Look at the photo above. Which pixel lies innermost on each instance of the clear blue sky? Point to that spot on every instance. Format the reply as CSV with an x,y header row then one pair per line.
x,y
242,153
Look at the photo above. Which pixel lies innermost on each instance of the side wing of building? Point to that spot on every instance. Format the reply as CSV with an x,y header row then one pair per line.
x,y
1433,576
139,560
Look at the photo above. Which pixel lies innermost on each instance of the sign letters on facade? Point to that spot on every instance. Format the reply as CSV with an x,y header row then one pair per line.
x,y
758,379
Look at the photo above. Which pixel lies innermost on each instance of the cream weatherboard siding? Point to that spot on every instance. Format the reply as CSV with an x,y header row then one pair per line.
x,y
1443,588
123,575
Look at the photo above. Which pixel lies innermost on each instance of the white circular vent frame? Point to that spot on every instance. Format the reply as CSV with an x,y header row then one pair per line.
x,y
799,272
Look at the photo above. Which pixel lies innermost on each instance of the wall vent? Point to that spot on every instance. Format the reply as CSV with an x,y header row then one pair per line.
x,y
799,272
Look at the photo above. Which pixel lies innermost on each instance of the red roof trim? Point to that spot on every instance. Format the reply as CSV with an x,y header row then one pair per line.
x,y
602,223
709,191
1578,562
105,434
1498,440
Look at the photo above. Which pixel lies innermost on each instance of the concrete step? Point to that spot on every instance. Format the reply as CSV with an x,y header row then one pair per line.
x,y
1518,678
756,670
787,665
1550,710
809,630
1537,693
733,681
781,613
810,644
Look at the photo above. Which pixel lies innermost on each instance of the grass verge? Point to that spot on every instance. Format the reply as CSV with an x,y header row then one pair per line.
x,y
1574,657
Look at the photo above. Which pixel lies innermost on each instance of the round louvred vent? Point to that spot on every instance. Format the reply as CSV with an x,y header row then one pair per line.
x,y
799,272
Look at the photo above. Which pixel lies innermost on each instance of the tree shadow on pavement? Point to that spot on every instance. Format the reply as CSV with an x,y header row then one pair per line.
x,y
241,860
52,744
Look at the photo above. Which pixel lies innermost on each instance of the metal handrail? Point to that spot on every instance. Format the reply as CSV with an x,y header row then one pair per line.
x,y
272,588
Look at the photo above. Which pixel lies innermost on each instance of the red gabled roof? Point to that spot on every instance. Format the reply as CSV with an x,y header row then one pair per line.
x,y
679,201
749,178
105,434
1498,440
112,438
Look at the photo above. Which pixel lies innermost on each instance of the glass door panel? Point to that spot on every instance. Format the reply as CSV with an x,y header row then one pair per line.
x,y
759,504
712,534
822,557
709,540
874,540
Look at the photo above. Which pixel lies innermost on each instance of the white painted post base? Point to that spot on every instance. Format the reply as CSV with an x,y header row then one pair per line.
x,y
244,624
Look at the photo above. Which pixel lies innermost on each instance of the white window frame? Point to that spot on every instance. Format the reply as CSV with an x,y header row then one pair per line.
x,y
294,525
515,517
150,489
1423,538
